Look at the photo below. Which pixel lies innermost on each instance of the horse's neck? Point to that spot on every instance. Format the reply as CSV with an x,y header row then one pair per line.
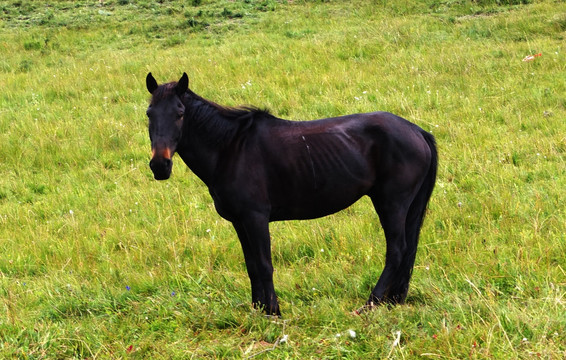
x,y
202,139
201,164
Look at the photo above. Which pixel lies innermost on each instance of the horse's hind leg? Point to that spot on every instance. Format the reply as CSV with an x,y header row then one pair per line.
x,y
400,208
393,283
401,221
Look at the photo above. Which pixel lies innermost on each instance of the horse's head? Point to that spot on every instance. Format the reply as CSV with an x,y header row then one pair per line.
x,y
165,113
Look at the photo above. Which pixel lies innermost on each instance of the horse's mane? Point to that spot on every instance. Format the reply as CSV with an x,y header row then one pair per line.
x,y
228,112
237,113
221,123
224,123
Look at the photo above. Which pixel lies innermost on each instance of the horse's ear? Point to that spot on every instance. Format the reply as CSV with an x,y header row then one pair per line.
x,y
150,83
182,85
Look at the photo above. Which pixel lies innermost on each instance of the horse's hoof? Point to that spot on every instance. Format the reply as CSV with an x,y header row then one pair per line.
x,y
367,307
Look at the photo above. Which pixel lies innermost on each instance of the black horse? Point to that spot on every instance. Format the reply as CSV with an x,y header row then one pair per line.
x,y
259,168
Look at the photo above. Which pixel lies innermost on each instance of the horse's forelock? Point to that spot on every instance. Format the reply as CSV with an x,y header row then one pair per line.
x,y
162,92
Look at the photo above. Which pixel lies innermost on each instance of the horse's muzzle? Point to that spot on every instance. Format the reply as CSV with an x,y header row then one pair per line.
x,y
161,168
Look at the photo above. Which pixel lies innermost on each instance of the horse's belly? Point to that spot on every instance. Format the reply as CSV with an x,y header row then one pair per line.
x,y
311,207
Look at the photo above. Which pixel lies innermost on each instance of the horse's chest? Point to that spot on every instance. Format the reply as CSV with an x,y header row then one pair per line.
x,y
233,201
223,207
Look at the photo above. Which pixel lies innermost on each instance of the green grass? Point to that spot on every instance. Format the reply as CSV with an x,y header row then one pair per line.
x,y
98,260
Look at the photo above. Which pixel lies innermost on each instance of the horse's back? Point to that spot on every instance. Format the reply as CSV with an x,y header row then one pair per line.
x,y
315,168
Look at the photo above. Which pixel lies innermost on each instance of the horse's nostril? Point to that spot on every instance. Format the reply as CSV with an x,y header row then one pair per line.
x,y
167,162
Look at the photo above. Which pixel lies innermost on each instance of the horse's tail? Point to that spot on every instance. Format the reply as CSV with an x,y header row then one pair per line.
x,y
417,210
423,196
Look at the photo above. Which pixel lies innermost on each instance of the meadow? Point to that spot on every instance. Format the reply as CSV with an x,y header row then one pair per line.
x,y
100,261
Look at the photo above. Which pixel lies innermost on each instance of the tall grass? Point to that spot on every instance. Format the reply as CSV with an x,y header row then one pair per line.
x,y
97,260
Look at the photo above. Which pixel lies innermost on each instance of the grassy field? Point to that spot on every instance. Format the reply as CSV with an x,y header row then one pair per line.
x,y
98,260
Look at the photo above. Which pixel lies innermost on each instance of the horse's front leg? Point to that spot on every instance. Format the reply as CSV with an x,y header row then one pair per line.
x,y
253,232
258,294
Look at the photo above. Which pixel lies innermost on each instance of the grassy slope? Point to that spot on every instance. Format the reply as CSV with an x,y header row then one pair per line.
x,y
96,257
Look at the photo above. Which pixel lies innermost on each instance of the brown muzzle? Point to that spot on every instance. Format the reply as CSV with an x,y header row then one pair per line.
x,y
161,163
